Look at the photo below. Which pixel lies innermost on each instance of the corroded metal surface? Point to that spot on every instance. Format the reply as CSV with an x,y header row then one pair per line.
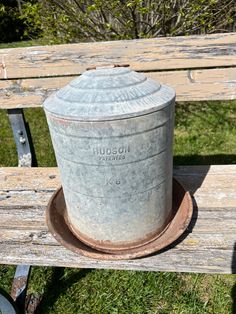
x,y
56,216
19,286
106,246
112,131
94,67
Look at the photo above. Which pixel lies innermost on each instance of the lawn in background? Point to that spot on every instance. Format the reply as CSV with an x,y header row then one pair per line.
x,y
205,133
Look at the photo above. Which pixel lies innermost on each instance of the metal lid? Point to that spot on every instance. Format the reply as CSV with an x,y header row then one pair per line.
x,y
109,93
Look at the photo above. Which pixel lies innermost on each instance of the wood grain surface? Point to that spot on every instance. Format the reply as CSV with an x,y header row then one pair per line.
x,y
208,245
189,52
190,85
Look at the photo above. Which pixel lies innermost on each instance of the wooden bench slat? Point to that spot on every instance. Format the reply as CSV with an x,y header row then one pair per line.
x,y
39,236
191,85
216,50
209,247
44,179
205,261
21,179
217,185
32,219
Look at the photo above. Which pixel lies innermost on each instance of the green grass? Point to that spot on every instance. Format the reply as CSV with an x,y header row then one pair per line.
x,y
26,43
205,133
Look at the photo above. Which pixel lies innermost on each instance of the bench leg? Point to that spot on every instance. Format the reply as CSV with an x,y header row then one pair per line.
x,y
21,137
26,155
19,286
15,303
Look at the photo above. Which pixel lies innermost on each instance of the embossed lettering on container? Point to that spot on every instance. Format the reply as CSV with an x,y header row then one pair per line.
x,y
112,132
113,153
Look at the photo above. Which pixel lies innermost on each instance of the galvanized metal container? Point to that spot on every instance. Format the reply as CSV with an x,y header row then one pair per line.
x,y
112,131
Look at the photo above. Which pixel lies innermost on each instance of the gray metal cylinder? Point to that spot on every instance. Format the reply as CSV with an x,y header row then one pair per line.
x,y
112,132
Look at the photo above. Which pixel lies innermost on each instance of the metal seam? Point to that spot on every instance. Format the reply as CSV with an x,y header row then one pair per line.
x,y
122,196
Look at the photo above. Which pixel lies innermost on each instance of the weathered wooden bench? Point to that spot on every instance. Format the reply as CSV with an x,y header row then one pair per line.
x,y
199,68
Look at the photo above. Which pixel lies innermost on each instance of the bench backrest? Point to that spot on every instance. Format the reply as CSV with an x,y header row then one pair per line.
x,y
198,67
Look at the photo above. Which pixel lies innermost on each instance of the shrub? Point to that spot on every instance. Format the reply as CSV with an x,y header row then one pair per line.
x,y
11,26
86,20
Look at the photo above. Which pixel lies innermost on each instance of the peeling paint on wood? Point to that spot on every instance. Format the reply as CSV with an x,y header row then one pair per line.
x,y
192,85
216,50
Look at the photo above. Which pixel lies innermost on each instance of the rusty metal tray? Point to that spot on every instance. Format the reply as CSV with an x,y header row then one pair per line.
x,y
56,217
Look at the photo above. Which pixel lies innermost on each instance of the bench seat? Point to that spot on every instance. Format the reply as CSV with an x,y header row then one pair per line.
x,y
207,247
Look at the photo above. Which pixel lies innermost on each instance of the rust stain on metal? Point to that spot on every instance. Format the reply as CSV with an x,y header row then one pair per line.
x,y
109,247
102,66
18,286
60,121
32,302
56,218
